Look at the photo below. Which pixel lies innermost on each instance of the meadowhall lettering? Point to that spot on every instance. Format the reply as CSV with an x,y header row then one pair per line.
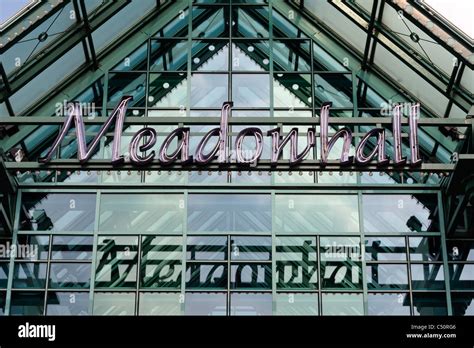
x,y
145,139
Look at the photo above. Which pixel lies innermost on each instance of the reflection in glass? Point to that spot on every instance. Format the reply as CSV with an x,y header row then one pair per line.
x,y
461,276
296,263
136,60
210,22
69,275
206,248
385,249
126,84
250,55
208,90
32,247
167,90
460,250
399,213
251,90
316,213
161,262
27,303
114,303
159,303
250,22
206,275
29,275
229,212
129,213
463,303
389,304
335,88
291,55
387,276
168,55
292,91
425,303
57,212
200,303
67,303
251,248
116,262
210,55
72,248
425,249
251,276
3,297
3,274
427,276
342,304
296,304
251,303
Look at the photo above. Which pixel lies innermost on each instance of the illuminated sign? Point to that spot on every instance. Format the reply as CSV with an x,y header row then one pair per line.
x,y
145,140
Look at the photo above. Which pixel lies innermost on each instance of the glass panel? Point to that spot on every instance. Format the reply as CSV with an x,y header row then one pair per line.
x,y
460,250
425,249
463,303
229,212
341,263
427,277
167,90
72,248
291,55
210,55
116,262
168,55
342,304
159,303
335,88
208,90
385,249
399,213
161,262
250,55
250,304
4,274
316,213
206,275
69,275
67,303
296,304
32,247
27,303
292,91
380,276
429,303
197,303
114,303
250,22
137,60
29,275
251,248
58,212
126,84
210,22
3,298
251,90
206,248
251,276
130,213
462,276
389,304
296,263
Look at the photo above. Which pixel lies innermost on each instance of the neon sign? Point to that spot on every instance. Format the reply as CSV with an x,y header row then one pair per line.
x,y
145,140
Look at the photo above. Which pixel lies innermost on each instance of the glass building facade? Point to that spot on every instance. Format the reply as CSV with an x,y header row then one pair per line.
x,y
234,241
